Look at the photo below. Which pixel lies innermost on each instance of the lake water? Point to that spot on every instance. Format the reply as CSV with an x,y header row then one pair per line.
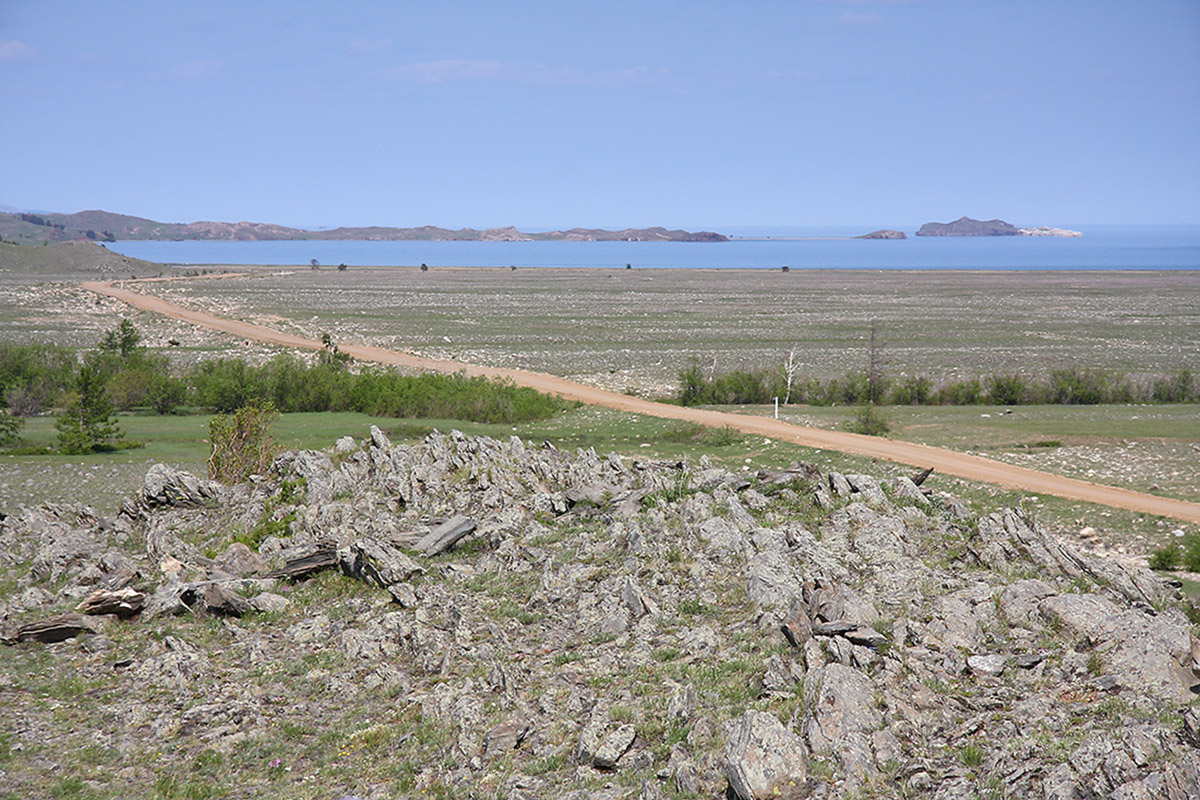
x,y
1131,248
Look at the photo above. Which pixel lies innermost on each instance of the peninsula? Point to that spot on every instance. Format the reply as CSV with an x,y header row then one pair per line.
x,y
105,226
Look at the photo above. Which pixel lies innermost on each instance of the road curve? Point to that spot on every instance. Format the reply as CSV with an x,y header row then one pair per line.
x,y
948,462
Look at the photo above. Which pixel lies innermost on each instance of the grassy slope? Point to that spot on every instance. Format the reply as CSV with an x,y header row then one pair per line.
x,y
69,260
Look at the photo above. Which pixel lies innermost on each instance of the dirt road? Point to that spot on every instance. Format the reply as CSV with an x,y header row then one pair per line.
x,y
944,461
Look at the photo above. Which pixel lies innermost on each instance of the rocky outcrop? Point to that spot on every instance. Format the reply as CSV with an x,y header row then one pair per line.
x,y
883,234
500,618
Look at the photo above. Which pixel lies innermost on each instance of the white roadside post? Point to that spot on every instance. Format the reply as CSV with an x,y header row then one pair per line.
x,y
776,408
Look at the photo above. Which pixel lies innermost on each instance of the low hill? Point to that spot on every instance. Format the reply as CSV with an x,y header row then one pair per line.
x,y
107,226
71,259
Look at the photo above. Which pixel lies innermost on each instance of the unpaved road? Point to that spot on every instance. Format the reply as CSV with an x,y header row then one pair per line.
x,y
947,462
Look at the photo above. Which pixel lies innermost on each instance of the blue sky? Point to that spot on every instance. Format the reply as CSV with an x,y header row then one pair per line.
x,y
544,115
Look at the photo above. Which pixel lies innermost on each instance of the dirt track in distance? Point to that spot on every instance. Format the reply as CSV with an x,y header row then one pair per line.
x,y
947,462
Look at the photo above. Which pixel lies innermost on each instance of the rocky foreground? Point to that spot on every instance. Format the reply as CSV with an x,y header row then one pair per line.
x,y
474,618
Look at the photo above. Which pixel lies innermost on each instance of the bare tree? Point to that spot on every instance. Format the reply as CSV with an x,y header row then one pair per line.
x,y
789,373
875,364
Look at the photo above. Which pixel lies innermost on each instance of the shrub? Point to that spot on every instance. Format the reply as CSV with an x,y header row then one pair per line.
x,y
241,442
960,393
869,421
1007,390
1177,388
911,391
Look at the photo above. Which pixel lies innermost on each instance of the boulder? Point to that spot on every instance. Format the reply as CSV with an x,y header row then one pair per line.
x,y
764,760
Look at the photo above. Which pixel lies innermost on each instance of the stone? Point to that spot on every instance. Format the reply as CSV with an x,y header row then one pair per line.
x,y
989,666
840,716
167,486
613,747
446,535
223,602
55,629
239,560
123,602
763,759
506,736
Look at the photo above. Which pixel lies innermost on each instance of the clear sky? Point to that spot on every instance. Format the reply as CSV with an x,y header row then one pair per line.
x,y
544,115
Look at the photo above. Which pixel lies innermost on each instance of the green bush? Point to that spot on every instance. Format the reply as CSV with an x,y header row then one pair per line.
x,y
959,393
1007,390
241,442
10,428
914,390
869,421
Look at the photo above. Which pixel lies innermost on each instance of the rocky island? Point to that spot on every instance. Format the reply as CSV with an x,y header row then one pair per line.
x,y
965,226
883,234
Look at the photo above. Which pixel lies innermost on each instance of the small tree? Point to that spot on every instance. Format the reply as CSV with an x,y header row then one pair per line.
x,y
123,340
241,442
10,427
89,423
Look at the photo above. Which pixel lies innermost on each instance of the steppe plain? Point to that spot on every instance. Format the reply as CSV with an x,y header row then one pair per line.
x,y
633,330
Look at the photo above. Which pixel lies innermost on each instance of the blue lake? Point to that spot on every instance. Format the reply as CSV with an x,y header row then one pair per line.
x,y
1131,248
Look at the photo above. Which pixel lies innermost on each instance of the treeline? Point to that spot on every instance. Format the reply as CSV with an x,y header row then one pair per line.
x,y
1069,386
120,374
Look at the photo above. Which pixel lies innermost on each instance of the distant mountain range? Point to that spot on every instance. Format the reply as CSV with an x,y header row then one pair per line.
x,y
105,226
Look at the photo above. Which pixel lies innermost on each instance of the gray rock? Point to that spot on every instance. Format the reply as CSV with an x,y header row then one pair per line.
x,y
840,717
613,747
989,666
506,736
239,560
763,759
167,486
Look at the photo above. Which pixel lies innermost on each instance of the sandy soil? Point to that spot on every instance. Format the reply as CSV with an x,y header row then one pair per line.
x,y
944,461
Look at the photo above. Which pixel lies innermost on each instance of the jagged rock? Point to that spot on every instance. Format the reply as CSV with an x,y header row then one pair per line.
x,y
585,614
239,560
991,666
123,602
446,535
167,486
301,566
840,716
763,759
613,747
506,736
222,602
54,629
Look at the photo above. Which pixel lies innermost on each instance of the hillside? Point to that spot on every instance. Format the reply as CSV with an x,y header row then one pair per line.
x,y
71,259
468,617
106,226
